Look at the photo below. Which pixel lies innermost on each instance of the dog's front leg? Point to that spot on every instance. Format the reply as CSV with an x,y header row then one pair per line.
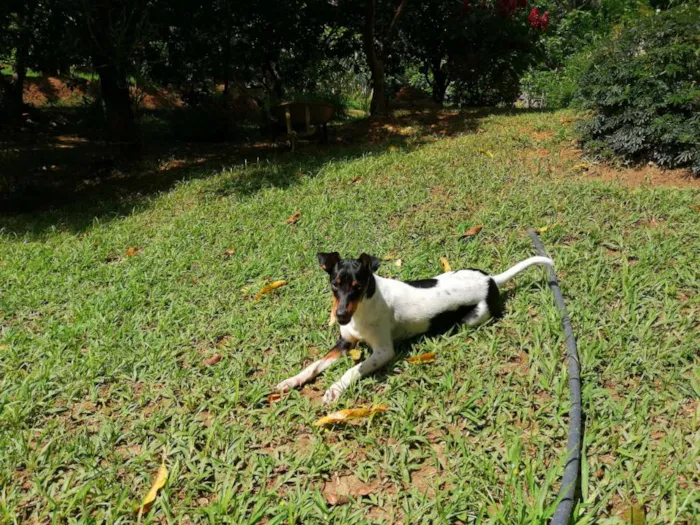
x,y
317,367
382,353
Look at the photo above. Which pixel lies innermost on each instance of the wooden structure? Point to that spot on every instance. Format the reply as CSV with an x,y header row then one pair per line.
x,y
296,114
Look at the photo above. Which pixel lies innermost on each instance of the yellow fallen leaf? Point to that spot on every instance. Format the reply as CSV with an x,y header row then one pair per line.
x,y
355,354
348,414
398,262
131,252
474,230
544,228
158,484
267,289
294,218
583,166
445,264
423,358
487,153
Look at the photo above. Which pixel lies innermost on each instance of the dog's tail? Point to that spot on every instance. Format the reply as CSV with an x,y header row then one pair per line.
x,y
515,270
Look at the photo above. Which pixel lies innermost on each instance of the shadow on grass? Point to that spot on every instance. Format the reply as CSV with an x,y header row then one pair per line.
x,y
61,176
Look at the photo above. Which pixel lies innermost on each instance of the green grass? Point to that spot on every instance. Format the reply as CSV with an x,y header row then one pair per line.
x,y
101,363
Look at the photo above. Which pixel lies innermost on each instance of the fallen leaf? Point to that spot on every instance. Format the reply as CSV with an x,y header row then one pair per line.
x,y
349,413
294,218
544,228
471,232
636,515
131,252
355,354
583,166
211,361
158,484
393,148
356,180
423,358
267,289
487,153
445,264
229,252
339,490
398,262
273,398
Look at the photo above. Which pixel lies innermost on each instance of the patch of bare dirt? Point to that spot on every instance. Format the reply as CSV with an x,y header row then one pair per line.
x,y
642,176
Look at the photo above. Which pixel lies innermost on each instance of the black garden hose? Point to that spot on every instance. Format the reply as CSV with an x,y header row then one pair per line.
x,y
567,492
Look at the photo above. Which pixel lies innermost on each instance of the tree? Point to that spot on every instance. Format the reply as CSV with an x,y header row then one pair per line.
x,y
425,36
114,31
18,21
377,46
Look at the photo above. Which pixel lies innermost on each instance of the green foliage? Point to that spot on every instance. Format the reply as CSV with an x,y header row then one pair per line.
x,y
488,55
644,88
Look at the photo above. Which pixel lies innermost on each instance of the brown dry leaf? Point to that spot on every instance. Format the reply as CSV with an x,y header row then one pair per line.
x,y
229,252
398,263
267,289
445,264
273,398
471,232
339,490
544,228
423,358
294,218
211,361
349,413
131,252
356,180
355,354
158,484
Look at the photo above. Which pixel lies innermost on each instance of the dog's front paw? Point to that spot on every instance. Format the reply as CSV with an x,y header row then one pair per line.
x,y
288,384
332,395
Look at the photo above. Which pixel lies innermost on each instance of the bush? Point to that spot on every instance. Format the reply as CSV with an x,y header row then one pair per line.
x,y
644,87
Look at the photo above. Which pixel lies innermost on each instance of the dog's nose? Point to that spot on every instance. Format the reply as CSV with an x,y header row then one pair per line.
x,y
343,316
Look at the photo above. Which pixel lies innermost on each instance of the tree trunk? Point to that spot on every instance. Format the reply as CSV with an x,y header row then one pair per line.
x,y
114,87
440,83
119,114
227,53
376,57
13,100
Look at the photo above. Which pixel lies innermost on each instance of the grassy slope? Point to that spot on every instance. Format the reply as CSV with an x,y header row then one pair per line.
x,y
101,366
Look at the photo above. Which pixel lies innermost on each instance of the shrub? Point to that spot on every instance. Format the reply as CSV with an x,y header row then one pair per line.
x,y
644,87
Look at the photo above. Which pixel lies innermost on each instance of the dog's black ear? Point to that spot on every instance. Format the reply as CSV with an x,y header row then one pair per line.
x,y
370,262
328,260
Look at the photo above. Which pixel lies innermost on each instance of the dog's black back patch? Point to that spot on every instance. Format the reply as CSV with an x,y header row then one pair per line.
x,y
493,299
423,283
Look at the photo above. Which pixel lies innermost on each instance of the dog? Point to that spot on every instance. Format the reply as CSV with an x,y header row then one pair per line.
x,y
380,311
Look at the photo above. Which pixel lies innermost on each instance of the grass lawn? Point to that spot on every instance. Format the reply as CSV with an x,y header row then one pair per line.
x,y
102,369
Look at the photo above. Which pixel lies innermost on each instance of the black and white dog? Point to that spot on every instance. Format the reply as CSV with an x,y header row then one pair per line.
x,y
380,311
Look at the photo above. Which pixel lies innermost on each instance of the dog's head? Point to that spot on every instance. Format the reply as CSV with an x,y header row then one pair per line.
x,y
351,281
